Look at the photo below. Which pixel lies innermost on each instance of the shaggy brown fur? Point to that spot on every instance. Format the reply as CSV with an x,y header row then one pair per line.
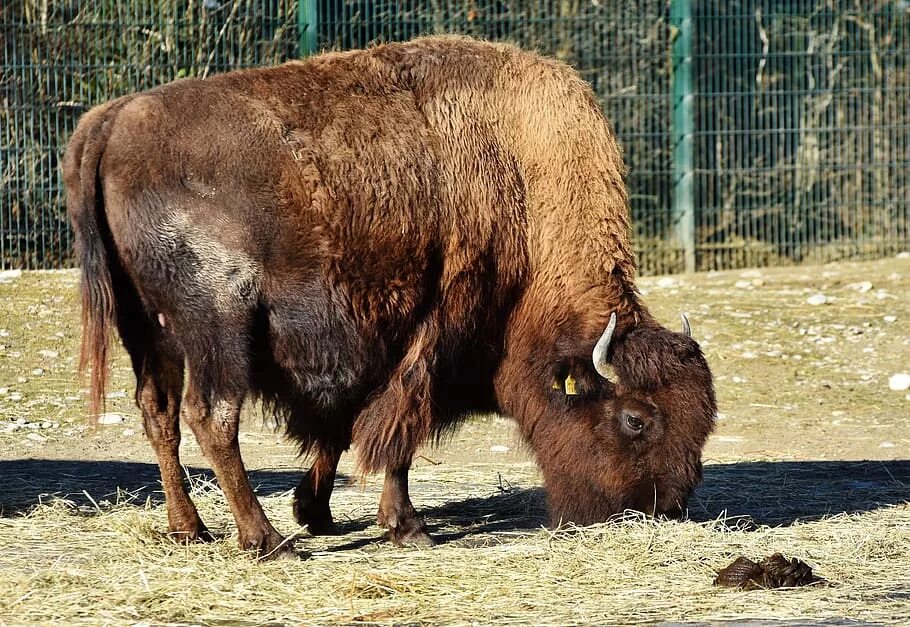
x,y
377,243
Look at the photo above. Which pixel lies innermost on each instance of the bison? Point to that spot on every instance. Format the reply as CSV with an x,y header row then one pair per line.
x,y
375,244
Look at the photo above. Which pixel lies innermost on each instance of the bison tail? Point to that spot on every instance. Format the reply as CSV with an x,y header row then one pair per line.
x,y
85,207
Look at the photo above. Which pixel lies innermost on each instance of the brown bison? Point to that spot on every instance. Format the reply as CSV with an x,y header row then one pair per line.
x,y
376,244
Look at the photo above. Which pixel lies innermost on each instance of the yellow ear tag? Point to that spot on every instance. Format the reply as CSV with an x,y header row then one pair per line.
x,y
570,386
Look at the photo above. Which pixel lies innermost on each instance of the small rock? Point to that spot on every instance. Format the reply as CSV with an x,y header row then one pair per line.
x,y
817,299
49,354
758,282
4,333
667,282
743,285
22,379
21,421
750,274
15,396
890,319
4,391
38,372
903,255
862,287
886,444
110,419
899,382
499,448
36,437
9,275
117,394
129,432
46,424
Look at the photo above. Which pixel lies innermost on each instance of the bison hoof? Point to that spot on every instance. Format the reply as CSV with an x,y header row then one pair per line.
x,y
414,534
323,528
313,514
189,533
269,546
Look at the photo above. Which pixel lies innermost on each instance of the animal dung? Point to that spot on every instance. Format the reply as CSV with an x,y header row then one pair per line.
x,y
775,571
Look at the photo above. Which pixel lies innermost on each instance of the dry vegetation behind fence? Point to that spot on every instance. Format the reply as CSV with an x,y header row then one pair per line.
x,y
801,110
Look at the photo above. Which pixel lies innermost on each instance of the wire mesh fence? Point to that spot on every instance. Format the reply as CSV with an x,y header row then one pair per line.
x,y
795,116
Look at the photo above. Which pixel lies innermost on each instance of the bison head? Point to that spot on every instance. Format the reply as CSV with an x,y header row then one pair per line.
x,y
634,443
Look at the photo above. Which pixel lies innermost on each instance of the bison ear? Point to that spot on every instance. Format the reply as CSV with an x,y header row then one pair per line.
x,y
573,378
569,385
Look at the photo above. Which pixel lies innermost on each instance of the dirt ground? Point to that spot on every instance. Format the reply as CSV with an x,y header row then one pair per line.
x,y
808,429
795,381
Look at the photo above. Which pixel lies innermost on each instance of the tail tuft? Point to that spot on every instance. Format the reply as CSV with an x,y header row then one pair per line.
x,y
85,207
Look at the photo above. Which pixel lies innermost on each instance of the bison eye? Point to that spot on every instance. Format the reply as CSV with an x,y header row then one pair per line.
x,y
633,422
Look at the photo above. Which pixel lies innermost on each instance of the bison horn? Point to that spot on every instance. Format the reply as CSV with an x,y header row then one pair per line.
x,y
686,329
601,348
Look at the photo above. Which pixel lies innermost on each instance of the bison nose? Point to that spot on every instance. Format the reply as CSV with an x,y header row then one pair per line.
x,y
673,512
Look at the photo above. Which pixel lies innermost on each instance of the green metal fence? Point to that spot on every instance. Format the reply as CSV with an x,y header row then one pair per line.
x,y
756,132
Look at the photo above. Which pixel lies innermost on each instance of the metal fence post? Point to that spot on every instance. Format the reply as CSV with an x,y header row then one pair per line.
x,y
682,130
306,27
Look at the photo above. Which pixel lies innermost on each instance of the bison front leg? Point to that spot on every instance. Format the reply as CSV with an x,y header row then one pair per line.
x,y
216,424
397,513
311,498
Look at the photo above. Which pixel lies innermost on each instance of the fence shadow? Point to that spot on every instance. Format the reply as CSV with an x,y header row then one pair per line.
x,y
781,493
745,493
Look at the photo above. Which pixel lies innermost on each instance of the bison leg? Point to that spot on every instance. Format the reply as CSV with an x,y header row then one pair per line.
x,y
215,419
397,513
158,397
311,498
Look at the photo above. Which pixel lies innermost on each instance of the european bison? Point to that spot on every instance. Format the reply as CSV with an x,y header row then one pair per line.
x,y
375,244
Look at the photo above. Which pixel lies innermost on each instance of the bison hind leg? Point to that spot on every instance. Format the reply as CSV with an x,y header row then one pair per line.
x,y
158,366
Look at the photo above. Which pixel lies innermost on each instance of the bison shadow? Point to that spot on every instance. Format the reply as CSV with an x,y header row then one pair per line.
x,y
743,494
83,483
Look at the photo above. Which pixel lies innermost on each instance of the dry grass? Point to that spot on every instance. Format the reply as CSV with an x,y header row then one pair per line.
x,y
66,564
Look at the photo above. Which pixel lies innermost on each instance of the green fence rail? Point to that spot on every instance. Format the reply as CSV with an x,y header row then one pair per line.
x,y
755,132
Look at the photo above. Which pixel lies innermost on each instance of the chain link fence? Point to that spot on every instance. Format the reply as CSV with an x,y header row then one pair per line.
x,y
756,132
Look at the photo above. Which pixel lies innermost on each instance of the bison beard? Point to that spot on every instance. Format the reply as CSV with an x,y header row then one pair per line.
x,y
376,244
